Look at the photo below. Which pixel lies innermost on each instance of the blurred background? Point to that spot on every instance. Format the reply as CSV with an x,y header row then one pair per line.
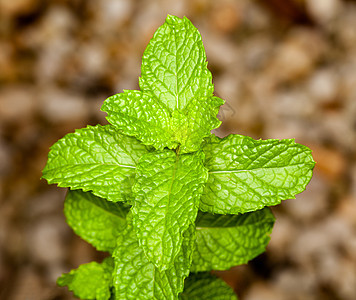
x,y
286,68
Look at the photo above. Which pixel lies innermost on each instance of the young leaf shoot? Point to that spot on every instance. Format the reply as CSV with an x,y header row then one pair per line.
x,y
168,200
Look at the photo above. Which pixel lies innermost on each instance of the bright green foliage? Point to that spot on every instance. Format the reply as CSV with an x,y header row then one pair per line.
x,y
206,286
174,65
90,281
167,198
224,241
247,175
176,105
195,121
167,192
135,277
98,159
139,114
96,220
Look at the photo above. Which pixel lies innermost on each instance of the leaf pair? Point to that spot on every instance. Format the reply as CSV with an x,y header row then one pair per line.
x,y
96,278
241,175
132,275
90,281
175,104
167,188
221,242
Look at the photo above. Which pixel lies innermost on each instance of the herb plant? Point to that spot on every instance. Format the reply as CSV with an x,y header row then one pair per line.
x,y
166,198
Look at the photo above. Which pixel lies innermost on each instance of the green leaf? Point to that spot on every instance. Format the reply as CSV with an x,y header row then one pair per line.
x,y
206,286
167,192
137,278
247,174
174,67
224,241
95,219
176,105
195,122
90,281
97,159
139,114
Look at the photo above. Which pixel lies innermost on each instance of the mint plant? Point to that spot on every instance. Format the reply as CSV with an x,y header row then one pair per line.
x,y
168,200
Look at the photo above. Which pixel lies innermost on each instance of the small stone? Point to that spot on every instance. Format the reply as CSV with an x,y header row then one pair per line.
x,y
29,286
302,285
254,16
54,271
292,103
352,174
334,123
215,45
46,203
347,210
58,106
347,79
7,66
149,16
16,7
46,240
339,273
52,35
1,195
17,102
2,266
292,61
262,290
323,10
282,237
278,128
312,204
112,13
256,52
227,87
81,252
345,28
322,239
345,280
93,59
323,86
5,159
226,16
327,264
58,21
331,163
296,56
351,248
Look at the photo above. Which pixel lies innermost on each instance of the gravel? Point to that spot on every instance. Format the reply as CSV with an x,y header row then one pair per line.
x,y
281,77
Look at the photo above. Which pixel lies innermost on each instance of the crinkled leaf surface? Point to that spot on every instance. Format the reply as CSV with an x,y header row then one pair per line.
x,y
167,192
137,278
174,65
97,159
224,241
90,281
247,174
175,108
204,286
195,122
140,114
176,104
95,219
